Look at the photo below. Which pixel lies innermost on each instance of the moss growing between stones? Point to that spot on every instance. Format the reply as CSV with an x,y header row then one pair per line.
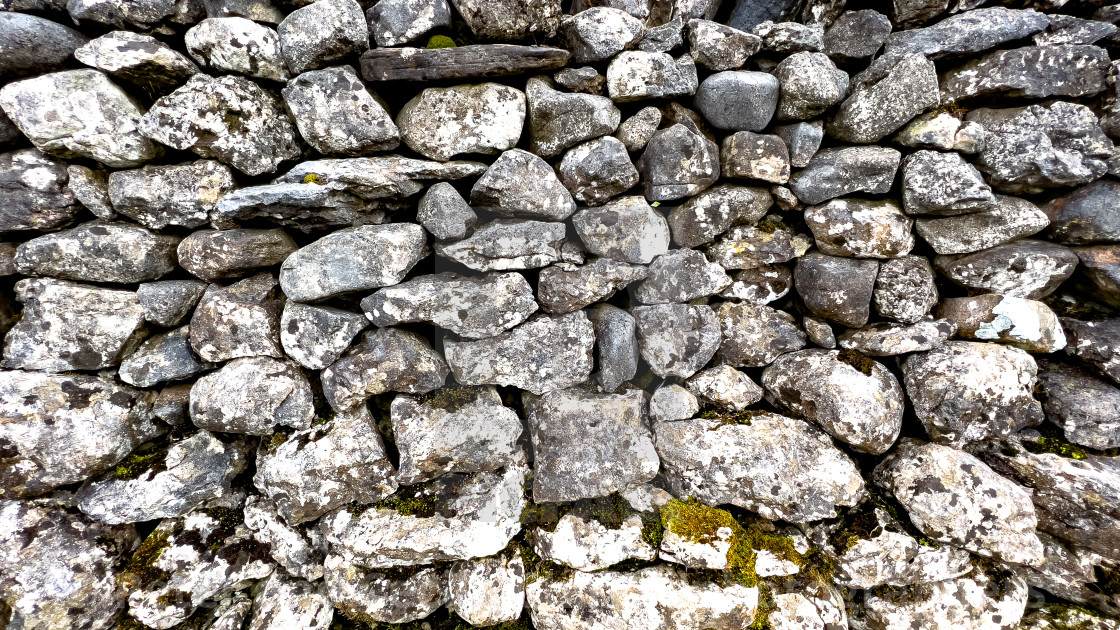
x,y
611,512
766,605
140,570
424,500
769,226
537,568
441,41
450,398
145,459
1106,582
743,417
858,360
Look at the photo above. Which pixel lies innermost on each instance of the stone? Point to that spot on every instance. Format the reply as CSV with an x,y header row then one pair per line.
x,y
431,123
811,83
237,44
316,336
946,131
1056,616
754,335
749,155
589,545
91,188
725,387
476,517
627,230
386,359
749,247
747,15
738,100
63,429
445,214
803,140
971,601
1084,406
559,120
1023,323
240,320
32,45
968,32
217,254
285,602
839,171
327,466
943,184
953,497
681,275
861,228
145,15
99,252
181,195
1085,216
678,163
507,244
542,354
836,288
720,47
599,33
378,596
67,326
487,591
636,131
586,80
36,193
589,445
469,431
700,219
471,307
521,183
162,358
672,402
59,567
1010,218
257,10
820,332
1039,147
1099,263
300,554
1024,268
1030,72
964,391
168,302
790,37
228,118
873,111
782,468
884,339
1066,29
1094,343
856,35
652,597
337,115
617,341
353,259
636,75
321,33
475,61
399,22
510,20
252,395
171,481
139,59
677,339
597,170
565,287
79,113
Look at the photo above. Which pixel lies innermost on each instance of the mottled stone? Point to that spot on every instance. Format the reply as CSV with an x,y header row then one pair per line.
x,y
637,75
703,217
386,597
521,183
836,288
315,336
139,59
856,35
237,44
811,83
99,252
216,254
162,358
445,214
755,335
36,192
681,275
790,37
720,47
725,387
352,259
1008,219
874,111
1090,214
1026,324
635,132
585,544
677,339
386,359
860,228
599,33
597,170
672,402
1085,407
506,20
943,184
884,339
839,171
180,195
507,244
565,287
322,32
1030,72
396,22
91,188
968,32
299,553
241,320
337,115
616,340
676,163
487,591
431,123
252,395
628,230
745,154
285,602
977,600
168,302
1025,268
946,131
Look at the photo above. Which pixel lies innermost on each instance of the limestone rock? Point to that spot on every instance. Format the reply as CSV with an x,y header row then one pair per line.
x,y
320,33
1031,72
1026,324
216,254
299,553
445,214
139,59
677,339
237,44
1008,219
681,275
836,288
521,183
749,155
507,244
162,358
755,335
678,163
599,33
860,228
487,591
337,115
840,171
811,83
616,339
505,20
588,545
884,339
315,336
703,217
36,193
1025,268
720,47
402,21
386,359
431,123
565,287
168,302
388,597
597,170
99,252
635,75
627,229
1083,405
725,387
872,112
252,395
181,195
241,320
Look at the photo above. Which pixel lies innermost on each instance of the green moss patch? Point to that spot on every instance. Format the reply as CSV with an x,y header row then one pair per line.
x,y
743,417
441,41
611,512
148,458
450,398
140,570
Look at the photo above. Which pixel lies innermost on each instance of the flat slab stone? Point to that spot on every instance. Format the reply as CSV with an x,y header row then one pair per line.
x,y
464,62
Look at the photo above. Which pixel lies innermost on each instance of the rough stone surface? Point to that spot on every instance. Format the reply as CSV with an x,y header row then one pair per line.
x,y
386,359
430,123
676,163
160,196
598,170
507,244
353,259
872,112
99,252
1034,71
237,44
216,254
811,83
1026,324
337,115
943,184
636,75
315,336
681,275
755,335
1025,268
721,98
627,230
1008,219
840,171
836,288
322,32
860,228
677,339
140,59
565,287
252,395
521,183
240,320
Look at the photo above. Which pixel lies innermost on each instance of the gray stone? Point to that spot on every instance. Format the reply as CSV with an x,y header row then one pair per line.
x,y
977,600
510,20
738,100
565,287
836,288
616,339
396,22
839,171
216,254
874,111
168,302
942,130
237,44
182,195
749,155
719,47
672,402
1009,219
589,445
337,115
143,15
1085,407
860,228
1030,72
431,123
445,214
1066,29
856,35
64,429
943,184
597,170
746,14
543,354
325,467
256,10
965,391
321,33
1101,264
487,591
681,275
1025,268
627,229
748,247
725,387
636,131
782,468
67,326
1090,214
228,118
953,497
665,38
586,79
811,83
803,140
755,335
162,358
139,59
284,602
388,597
1095,344
558,120
586,544
315,336
297,552
636,75
240,320
678,163
884,339
99,252
968,32
790,37
507,244
470,307
760,285
385,360
1056,616
599,33
31,45
819,331
353,259
79,113
91,188
700,219
1023,323
252,395
36,193
853,398
677,339
521,183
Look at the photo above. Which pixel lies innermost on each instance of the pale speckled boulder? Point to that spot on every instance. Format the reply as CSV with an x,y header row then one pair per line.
x,y
627,229
430,123
237,44
383,596
239,320
588,545
677,339
120,253
975,601
252,395
520,183
286,602
336,114
160,196
316,336
487,591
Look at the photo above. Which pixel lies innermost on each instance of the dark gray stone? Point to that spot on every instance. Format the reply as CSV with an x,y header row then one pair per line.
x,y
1095,343
803,140
856,35
385,360
396,22
681,275
754,335
161,359
217,254
1025,268
738,100
31,45
507,244
520,183
968,32
353,259
616,342
835,288
597,170
142,60
559,120
1090,214
839,171
168,302
943,184
678,163
1030,72
36,193
1085,407
873,111
700,219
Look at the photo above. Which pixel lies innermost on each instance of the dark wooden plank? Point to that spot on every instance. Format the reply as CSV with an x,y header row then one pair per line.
x,y
465,62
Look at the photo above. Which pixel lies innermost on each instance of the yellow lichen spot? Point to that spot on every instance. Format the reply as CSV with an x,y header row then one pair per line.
x,y
311,178
441,41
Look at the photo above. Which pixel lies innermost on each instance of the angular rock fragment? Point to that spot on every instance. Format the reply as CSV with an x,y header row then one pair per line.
x,y
159,196
257,10
760,285
315,336
162,358
672,402
860,228
1023,323
636,131
139,59
99,252
402,21
725,387
719,47
487,591
599,33
252,395
445,214
856,35
627,229
755,156
700,219
1008,219
337,115
840,171
168,302
476,61
386,359
320,33
836,288
1025,268
565,287
289,602
586,80
943,184
616,339
811,83
738,100
241,320
298,553
589,545
1090,214
1084,406
678,163
431,123
974,600
506,20
677,339
790,37
521,183
636,75
884,339
386,597
507,244
971,31
1094,342
147,14
216,254
874,111
597,170
681,275
755,335
237,44
943,130
1031,72
36,192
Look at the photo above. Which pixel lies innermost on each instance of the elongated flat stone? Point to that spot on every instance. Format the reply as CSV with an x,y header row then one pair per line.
x,y
463,62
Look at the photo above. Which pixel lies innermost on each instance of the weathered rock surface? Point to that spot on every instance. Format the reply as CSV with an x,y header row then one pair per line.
x,y
836,288
520,183
320,33
628,230
1025,268
1083,405
337,115
162,358
943,184
99,252
487,591
677,339
676,163
252,395
140,59
1026,324
315,336
36,193
352,259
564,287
725,387
636,75
1087,215
240,320
159,196
721,96
1008,219
386,359
597,170
430,123
860,228
237,44
755,335
401,21
507,244
840,171
874,111
883,339
681,275
216,254
1033,71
